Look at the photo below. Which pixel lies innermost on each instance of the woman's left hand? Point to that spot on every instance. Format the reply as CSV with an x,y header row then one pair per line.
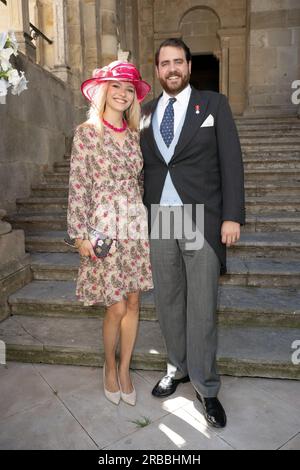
x,y
86,249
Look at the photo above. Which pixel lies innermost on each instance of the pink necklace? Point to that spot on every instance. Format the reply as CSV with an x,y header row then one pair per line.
x,y
116,129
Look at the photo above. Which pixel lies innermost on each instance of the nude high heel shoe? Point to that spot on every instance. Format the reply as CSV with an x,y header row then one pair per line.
x,y
129,398
114,397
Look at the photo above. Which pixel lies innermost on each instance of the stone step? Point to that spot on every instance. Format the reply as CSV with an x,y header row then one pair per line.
x,y
56,177
249,351
251,188
251,272
62,167
272,162
36,221
267,245
265,121
45,204
272,140
248,306
272,204
51,241
273,222
236,305
67,157
265,174
50,190
272,174
269,188
269,147
260,244
277,131
57,298
262,272
268,125
271,153
54,266
251,161
253,204
264,124
256,132
31,221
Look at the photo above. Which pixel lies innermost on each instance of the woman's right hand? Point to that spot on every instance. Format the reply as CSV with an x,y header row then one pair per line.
x,y
86,249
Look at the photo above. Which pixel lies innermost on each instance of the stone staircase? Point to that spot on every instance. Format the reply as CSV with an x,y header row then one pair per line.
x,y
259,298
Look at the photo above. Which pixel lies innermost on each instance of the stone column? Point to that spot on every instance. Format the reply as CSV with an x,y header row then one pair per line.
x,y
233,66
144,37
91,30
60,68
224,75
19,23
109,40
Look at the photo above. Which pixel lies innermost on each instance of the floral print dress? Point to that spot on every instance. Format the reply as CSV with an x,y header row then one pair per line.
x,y
105,193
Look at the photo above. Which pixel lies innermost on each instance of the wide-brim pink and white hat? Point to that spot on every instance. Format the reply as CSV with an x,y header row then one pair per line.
x,y
117,70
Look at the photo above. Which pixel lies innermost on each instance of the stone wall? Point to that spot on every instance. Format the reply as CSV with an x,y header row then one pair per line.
x,y
127,20
3,17
274,55
92,43
209,26
34,127
14,264
217,27
76,55
146,43
44,20
257,43
199,29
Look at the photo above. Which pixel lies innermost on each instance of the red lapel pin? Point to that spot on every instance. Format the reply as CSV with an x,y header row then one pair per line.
x,y
197,108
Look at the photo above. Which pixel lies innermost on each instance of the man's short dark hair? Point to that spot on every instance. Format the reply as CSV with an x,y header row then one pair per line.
x,y
174,42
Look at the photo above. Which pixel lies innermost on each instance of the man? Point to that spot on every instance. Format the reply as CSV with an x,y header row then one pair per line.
x,y
192,156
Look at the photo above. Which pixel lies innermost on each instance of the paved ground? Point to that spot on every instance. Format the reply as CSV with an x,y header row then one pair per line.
x,y
63,407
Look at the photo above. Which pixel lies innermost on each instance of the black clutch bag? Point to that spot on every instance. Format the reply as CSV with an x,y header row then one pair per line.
x,y
100,242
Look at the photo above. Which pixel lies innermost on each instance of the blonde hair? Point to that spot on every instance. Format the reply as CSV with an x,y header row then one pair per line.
x,y
97,108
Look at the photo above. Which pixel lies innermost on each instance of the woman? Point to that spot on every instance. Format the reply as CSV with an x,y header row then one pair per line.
x,y
104,193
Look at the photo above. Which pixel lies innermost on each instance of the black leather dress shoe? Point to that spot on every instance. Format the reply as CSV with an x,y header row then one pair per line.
x,y
167,385
213,410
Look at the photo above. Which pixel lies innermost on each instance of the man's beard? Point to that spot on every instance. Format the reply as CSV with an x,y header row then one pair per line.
x,y
176,88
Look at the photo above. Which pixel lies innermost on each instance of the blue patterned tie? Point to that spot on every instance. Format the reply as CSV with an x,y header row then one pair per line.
x,y
167,123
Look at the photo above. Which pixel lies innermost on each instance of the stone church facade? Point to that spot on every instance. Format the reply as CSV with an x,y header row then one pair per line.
x,y
248,50
255,44
250,46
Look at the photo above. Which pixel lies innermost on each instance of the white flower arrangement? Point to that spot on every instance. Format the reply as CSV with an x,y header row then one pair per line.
x,y
9,76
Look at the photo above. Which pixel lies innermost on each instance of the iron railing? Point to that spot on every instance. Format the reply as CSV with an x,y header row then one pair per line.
x,y
36,33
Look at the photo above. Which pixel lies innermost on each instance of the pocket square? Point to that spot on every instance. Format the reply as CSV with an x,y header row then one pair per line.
x,y
209,121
